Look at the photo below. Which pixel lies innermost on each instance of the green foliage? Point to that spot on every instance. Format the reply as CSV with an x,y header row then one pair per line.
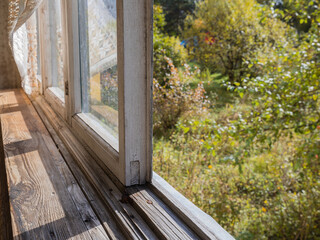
x,y
300,14
223,35
164,46
286,99
174,98
250,157
269,198
175,14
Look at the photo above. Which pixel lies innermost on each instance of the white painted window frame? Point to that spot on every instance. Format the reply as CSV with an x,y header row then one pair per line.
x,y
132,162
52,94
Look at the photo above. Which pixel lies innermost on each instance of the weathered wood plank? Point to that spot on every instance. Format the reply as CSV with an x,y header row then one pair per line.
x,y
105,217
134,77
129,221
87,214
162,219
5,217
46,200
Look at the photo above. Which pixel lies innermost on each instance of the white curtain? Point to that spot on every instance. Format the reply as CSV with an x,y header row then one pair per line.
x,y
18,44
19,12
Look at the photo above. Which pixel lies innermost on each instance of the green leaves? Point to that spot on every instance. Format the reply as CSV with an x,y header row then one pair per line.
x,y
225,35
315,97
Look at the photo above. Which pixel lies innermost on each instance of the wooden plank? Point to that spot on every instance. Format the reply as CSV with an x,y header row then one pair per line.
x,y
129,221
105,217
46,200
162,219
5,217
88,216
204,225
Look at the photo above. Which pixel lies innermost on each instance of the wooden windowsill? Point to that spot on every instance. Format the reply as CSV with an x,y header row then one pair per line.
x,y
48,195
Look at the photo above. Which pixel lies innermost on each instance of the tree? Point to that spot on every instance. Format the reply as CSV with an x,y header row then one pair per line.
x,y
165,46
223,35
298,13
175,14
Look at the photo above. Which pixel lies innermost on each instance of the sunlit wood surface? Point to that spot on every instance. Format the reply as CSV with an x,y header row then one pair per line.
x,y
45,199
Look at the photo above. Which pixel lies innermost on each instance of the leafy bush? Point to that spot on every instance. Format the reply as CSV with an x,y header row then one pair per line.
x,y
174,98
270,197
286,99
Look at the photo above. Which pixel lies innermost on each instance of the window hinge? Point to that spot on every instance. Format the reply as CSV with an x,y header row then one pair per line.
x,y
66,88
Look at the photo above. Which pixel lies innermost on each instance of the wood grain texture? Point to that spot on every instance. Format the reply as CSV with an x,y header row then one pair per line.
x,y
128,220
73,101
104,216
5,218
149,98
159,216
45,198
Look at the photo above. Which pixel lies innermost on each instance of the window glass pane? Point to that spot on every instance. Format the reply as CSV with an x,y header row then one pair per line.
x,y
100,83
56,36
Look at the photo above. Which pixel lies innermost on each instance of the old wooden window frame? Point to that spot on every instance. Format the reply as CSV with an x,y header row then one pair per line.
x,y
52,94
132,162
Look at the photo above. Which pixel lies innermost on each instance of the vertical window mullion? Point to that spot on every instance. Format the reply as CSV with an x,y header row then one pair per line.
x,y
84,53
135,113
74,81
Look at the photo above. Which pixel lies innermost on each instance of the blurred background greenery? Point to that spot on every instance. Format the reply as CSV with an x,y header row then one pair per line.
x,y
237,114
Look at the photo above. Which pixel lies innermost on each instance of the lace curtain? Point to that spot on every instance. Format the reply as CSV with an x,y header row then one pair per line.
x,y
19,12
18,66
